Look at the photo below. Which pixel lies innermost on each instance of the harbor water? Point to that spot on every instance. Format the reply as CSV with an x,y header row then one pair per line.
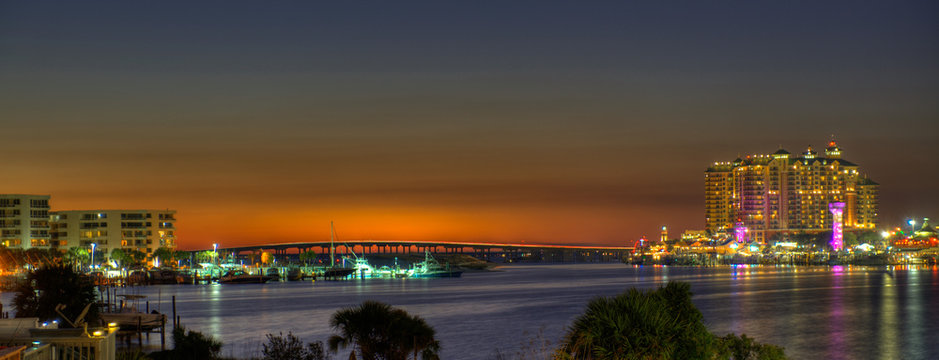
x,y
814,312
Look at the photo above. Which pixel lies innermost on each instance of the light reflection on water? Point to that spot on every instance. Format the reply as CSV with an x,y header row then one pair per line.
x,y
815,313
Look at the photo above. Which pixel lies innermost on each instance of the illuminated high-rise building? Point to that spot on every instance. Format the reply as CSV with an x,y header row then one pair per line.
x,y
780,193
24,221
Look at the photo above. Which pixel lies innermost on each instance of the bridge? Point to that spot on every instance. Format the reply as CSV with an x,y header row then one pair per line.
x,y
482,251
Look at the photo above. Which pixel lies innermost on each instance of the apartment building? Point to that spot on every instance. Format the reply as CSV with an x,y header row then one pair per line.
x,y
24,221
780,193
143,230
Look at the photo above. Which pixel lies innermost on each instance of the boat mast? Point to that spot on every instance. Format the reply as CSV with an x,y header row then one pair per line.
x,y
332,246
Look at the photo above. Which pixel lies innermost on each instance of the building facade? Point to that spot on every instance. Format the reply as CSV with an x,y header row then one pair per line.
x,y
24,221
143,230
779,193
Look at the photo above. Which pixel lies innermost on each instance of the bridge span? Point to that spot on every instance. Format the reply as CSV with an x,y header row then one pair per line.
x,y
482,251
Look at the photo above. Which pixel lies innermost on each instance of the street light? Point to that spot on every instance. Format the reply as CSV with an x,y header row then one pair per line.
x,y
93,245
215,253
912,227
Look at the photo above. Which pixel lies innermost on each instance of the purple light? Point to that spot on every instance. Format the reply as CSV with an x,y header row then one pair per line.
x,y
740,232
837,219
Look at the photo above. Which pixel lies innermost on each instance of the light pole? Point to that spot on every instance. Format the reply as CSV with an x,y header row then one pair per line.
x,y
215,253
912,228
93,245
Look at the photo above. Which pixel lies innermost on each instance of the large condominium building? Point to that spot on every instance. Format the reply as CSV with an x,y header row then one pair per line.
x,y
143,230
779,194
24,221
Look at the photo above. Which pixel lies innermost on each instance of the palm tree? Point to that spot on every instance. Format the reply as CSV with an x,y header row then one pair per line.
x,y
120,257
77,255
46,288
658,324
379,332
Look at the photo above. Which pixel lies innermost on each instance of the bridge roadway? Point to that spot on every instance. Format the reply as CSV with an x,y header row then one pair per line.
x,y
484,251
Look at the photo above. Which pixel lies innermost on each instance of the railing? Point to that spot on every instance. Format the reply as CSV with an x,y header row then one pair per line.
x,y
12,353
74,344
41,352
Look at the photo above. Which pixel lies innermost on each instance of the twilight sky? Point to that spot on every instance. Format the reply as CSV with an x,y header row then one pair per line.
x,y
480,121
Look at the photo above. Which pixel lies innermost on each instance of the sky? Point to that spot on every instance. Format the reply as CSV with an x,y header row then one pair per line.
x,y
536,122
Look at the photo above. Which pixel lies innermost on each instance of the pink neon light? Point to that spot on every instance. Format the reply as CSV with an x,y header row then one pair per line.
x,y
740,233
837,222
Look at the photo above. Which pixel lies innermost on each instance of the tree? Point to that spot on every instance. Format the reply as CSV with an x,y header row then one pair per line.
x,y
870,237
137,257
207,256
181,255
658,324
307,256
121,257
291,348
165,254
379,332
850,240
77,255
44,289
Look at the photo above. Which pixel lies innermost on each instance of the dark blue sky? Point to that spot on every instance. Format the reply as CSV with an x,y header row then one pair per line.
x,y
561,122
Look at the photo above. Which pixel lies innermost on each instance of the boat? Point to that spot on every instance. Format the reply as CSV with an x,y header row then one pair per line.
x,y
293,273
273,273
162,276
129,317
333,271
241,277
337,272
431,268
185,277
387,272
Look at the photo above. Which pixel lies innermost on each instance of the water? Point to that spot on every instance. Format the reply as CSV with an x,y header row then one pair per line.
x,y
815,313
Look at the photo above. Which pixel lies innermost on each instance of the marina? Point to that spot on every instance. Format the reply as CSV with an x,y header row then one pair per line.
x,y
814,312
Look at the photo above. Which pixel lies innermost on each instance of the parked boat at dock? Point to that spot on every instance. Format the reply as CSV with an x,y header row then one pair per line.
x,y
241,277
128,316
431,268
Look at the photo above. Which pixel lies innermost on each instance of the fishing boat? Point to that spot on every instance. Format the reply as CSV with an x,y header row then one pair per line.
x,y
293,273
431,268
387,272
241,277
333,271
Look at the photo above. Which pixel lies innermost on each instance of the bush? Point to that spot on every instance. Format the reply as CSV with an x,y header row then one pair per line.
x,y
289,347
193,345
131,355
744,348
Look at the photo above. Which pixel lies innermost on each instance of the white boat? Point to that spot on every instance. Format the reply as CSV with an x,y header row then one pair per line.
x,y
431,268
